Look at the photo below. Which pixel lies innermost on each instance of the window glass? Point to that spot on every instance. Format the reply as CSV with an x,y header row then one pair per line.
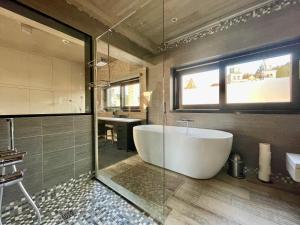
x,y
200,88
41,78
113,97
260,81
132,95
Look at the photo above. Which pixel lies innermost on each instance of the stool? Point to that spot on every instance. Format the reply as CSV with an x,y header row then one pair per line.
x,y
110,127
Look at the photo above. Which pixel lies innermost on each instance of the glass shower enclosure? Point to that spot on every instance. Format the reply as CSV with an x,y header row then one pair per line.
x,y
129,120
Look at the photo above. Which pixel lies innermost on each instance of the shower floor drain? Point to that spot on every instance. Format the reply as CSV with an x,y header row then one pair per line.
x,y
67,214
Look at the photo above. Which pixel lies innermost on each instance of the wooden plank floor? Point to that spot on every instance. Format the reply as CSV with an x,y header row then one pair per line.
x,y
222,200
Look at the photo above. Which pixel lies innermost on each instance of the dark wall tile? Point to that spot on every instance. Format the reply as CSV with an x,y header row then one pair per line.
x,y
3,144
33,183
83,166
55,142
3,129
50,144
57,124
58,175
82,138
31,145
57,159
28,127
32,164
11,193
83,152
83,123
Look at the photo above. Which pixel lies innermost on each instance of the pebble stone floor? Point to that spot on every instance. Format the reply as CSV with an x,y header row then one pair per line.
x,y
85,201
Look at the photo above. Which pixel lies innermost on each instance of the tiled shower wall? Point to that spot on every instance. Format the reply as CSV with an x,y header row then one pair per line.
x,y
58,148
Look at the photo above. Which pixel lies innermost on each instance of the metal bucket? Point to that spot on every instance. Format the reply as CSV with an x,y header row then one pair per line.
x,y
235,166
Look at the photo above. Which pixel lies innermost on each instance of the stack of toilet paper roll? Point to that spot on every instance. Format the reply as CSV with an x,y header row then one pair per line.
x,y
264,172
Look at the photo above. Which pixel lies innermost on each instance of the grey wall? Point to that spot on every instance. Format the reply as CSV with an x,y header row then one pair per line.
x,y
58,148
282,131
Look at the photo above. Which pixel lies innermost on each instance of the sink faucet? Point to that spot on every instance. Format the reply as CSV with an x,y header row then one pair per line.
x,y
187,123
115,113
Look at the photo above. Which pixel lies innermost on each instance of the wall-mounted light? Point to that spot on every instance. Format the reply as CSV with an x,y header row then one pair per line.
x,y
26,28
147,95
174,19
146,99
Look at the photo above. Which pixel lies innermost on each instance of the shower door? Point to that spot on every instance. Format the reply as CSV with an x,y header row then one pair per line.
x,y
129,106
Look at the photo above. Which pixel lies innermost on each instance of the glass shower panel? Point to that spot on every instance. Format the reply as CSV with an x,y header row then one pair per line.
x,y
129,81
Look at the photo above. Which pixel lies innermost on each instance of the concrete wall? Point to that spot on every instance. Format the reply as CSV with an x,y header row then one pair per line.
x,y
282,131
40,84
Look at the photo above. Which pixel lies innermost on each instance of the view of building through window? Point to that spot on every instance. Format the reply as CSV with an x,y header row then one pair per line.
x,y
260,81
200,88
132,95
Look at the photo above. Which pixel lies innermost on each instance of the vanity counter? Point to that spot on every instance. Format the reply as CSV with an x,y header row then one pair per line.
x,y
115,119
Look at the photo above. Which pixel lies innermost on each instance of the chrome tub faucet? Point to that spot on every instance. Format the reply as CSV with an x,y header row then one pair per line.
x,y
187,123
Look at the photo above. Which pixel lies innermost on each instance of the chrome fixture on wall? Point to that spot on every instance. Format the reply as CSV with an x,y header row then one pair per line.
x,y
187,124
99,63
186,121
10,157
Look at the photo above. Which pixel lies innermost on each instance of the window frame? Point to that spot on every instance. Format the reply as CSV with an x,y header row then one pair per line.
x,y
122,106
291,47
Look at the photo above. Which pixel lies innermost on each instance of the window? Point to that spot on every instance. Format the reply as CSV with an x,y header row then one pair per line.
x,y
42,79
132,95
113,97
261,81
123,95
200,88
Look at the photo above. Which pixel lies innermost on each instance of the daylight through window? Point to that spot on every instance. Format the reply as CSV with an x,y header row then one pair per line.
x,y
258,81
123,95
200,88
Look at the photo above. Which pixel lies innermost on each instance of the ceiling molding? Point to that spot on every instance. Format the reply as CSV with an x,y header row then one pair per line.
x,y
255,12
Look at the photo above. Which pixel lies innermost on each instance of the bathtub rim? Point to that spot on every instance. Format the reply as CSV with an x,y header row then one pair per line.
x,y
227,135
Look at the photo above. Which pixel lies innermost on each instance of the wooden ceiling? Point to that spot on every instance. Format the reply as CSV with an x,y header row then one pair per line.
x,y
145,25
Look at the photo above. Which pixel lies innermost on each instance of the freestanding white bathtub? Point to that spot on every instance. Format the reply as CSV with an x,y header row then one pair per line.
x,y
197,153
